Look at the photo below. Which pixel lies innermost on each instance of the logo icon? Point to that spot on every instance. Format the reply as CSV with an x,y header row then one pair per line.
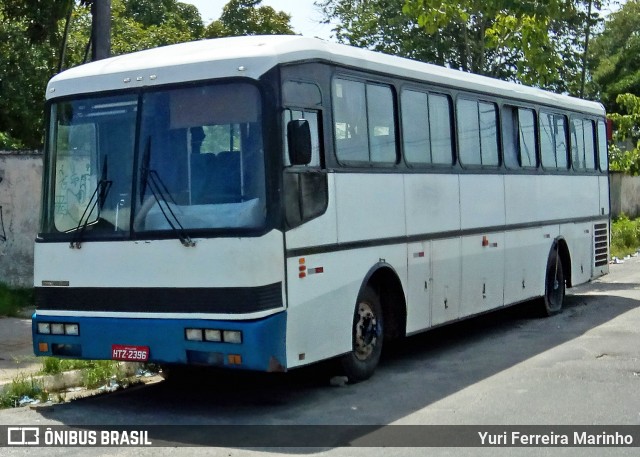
x,y
23,436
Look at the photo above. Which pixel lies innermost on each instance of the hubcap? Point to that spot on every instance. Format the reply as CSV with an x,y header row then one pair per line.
x,y
366,332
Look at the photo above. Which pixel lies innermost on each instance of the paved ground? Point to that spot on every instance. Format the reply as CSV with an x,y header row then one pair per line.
x,y
16,351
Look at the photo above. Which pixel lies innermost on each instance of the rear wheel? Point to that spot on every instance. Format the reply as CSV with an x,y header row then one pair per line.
x,y
554,285
367,337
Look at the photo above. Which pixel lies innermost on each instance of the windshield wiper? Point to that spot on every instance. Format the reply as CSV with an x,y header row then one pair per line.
x,y
151,179
97,200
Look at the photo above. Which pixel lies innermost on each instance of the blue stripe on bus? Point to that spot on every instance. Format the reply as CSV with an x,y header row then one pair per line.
x,y
262,347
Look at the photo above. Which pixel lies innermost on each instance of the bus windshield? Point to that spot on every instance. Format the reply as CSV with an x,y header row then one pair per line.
x,y
188,158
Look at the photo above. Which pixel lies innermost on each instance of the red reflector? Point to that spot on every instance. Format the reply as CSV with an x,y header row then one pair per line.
x,y
320,270
485,241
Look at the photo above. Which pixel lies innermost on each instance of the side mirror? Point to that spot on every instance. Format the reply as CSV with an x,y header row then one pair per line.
x,y
299,141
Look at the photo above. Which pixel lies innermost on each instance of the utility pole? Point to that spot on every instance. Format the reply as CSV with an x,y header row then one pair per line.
x,y
587,32
100,29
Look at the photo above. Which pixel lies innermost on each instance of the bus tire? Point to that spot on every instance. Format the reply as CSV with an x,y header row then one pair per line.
x,y
367,336
554,285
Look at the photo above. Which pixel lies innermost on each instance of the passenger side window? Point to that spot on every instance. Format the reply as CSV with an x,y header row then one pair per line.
x,y
553,141
478,132
583,144
426,124
603,150
519,137
364,122
380,114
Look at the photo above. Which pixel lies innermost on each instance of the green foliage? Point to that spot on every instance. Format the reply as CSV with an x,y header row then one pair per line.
x,y
615,55
247,17
624,161
95,373
625,236
8,143
12,300
54,365
537,43
627,131
31,37
22,387
382,26
24,71
135,26
100,373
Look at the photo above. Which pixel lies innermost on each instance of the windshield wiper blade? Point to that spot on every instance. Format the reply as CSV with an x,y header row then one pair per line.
x,y
97,199
151,179
161,194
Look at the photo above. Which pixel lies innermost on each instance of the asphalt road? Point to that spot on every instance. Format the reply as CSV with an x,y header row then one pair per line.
x,y
581,367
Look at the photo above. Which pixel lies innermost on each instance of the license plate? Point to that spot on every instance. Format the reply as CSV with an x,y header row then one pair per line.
x,y
130,353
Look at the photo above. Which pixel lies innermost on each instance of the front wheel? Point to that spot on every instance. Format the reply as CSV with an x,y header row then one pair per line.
x,y
554,285
367,337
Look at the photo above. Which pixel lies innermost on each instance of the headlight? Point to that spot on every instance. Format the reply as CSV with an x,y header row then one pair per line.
x,y
72,329
44,328
194,334
232,336
212,335
57,329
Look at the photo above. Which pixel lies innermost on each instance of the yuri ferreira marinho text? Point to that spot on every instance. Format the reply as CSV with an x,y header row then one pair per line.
x,y
555,439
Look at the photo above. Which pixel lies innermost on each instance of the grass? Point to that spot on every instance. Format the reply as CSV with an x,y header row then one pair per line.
x,y
14,299
625,236
22,387
95,373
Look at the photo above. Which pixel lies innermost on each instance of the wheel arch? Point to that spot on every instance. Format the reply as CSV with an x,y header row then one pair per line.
x,y
560,244
384,279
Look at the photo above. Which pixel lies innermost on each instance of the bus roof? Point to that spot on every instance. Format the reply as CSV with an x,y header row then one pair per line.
x,y
252,56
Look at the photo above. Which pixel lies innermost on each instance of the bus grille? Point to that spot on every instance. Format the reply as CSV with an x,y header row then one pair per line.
x,y
216,300
601,244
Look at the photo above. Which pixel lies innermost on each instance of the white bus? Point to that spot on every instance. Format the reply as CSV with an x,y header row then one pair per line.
x,y
264,203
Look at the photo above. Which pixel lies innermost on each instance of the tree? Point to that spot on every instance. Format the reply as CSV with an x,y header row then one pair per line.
x,y
29,46
381,25
165,13
534,42
247,17
615,55
626,160
31,37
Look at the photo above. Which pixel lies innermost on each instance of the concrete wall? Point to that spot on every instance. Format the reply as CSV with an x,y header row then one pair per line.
x,y
625,195
20,190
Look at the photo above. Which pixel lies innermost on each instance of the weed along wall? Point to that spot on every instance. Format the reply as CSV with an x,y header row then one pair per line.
x,y
20,189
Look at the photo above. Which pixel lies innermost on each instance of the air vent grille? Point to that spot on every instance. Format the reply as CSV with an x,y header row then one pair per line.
x,y
601,244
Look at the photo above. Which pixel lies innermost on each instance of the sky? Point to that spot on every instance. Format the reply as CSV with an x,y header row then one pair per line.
x,y
305,16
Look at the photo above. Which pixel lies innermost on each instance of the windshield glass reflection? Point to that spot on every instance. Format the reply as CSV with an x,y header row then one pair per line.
x,y
200,163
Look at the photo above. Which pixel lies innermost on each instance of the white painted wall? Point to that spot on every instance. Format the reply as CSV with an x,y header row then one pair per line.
x,y
20,191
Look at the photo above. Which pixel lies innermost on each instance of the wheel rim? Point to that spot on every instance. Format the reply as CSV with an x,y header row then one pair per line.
x,y
366,335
